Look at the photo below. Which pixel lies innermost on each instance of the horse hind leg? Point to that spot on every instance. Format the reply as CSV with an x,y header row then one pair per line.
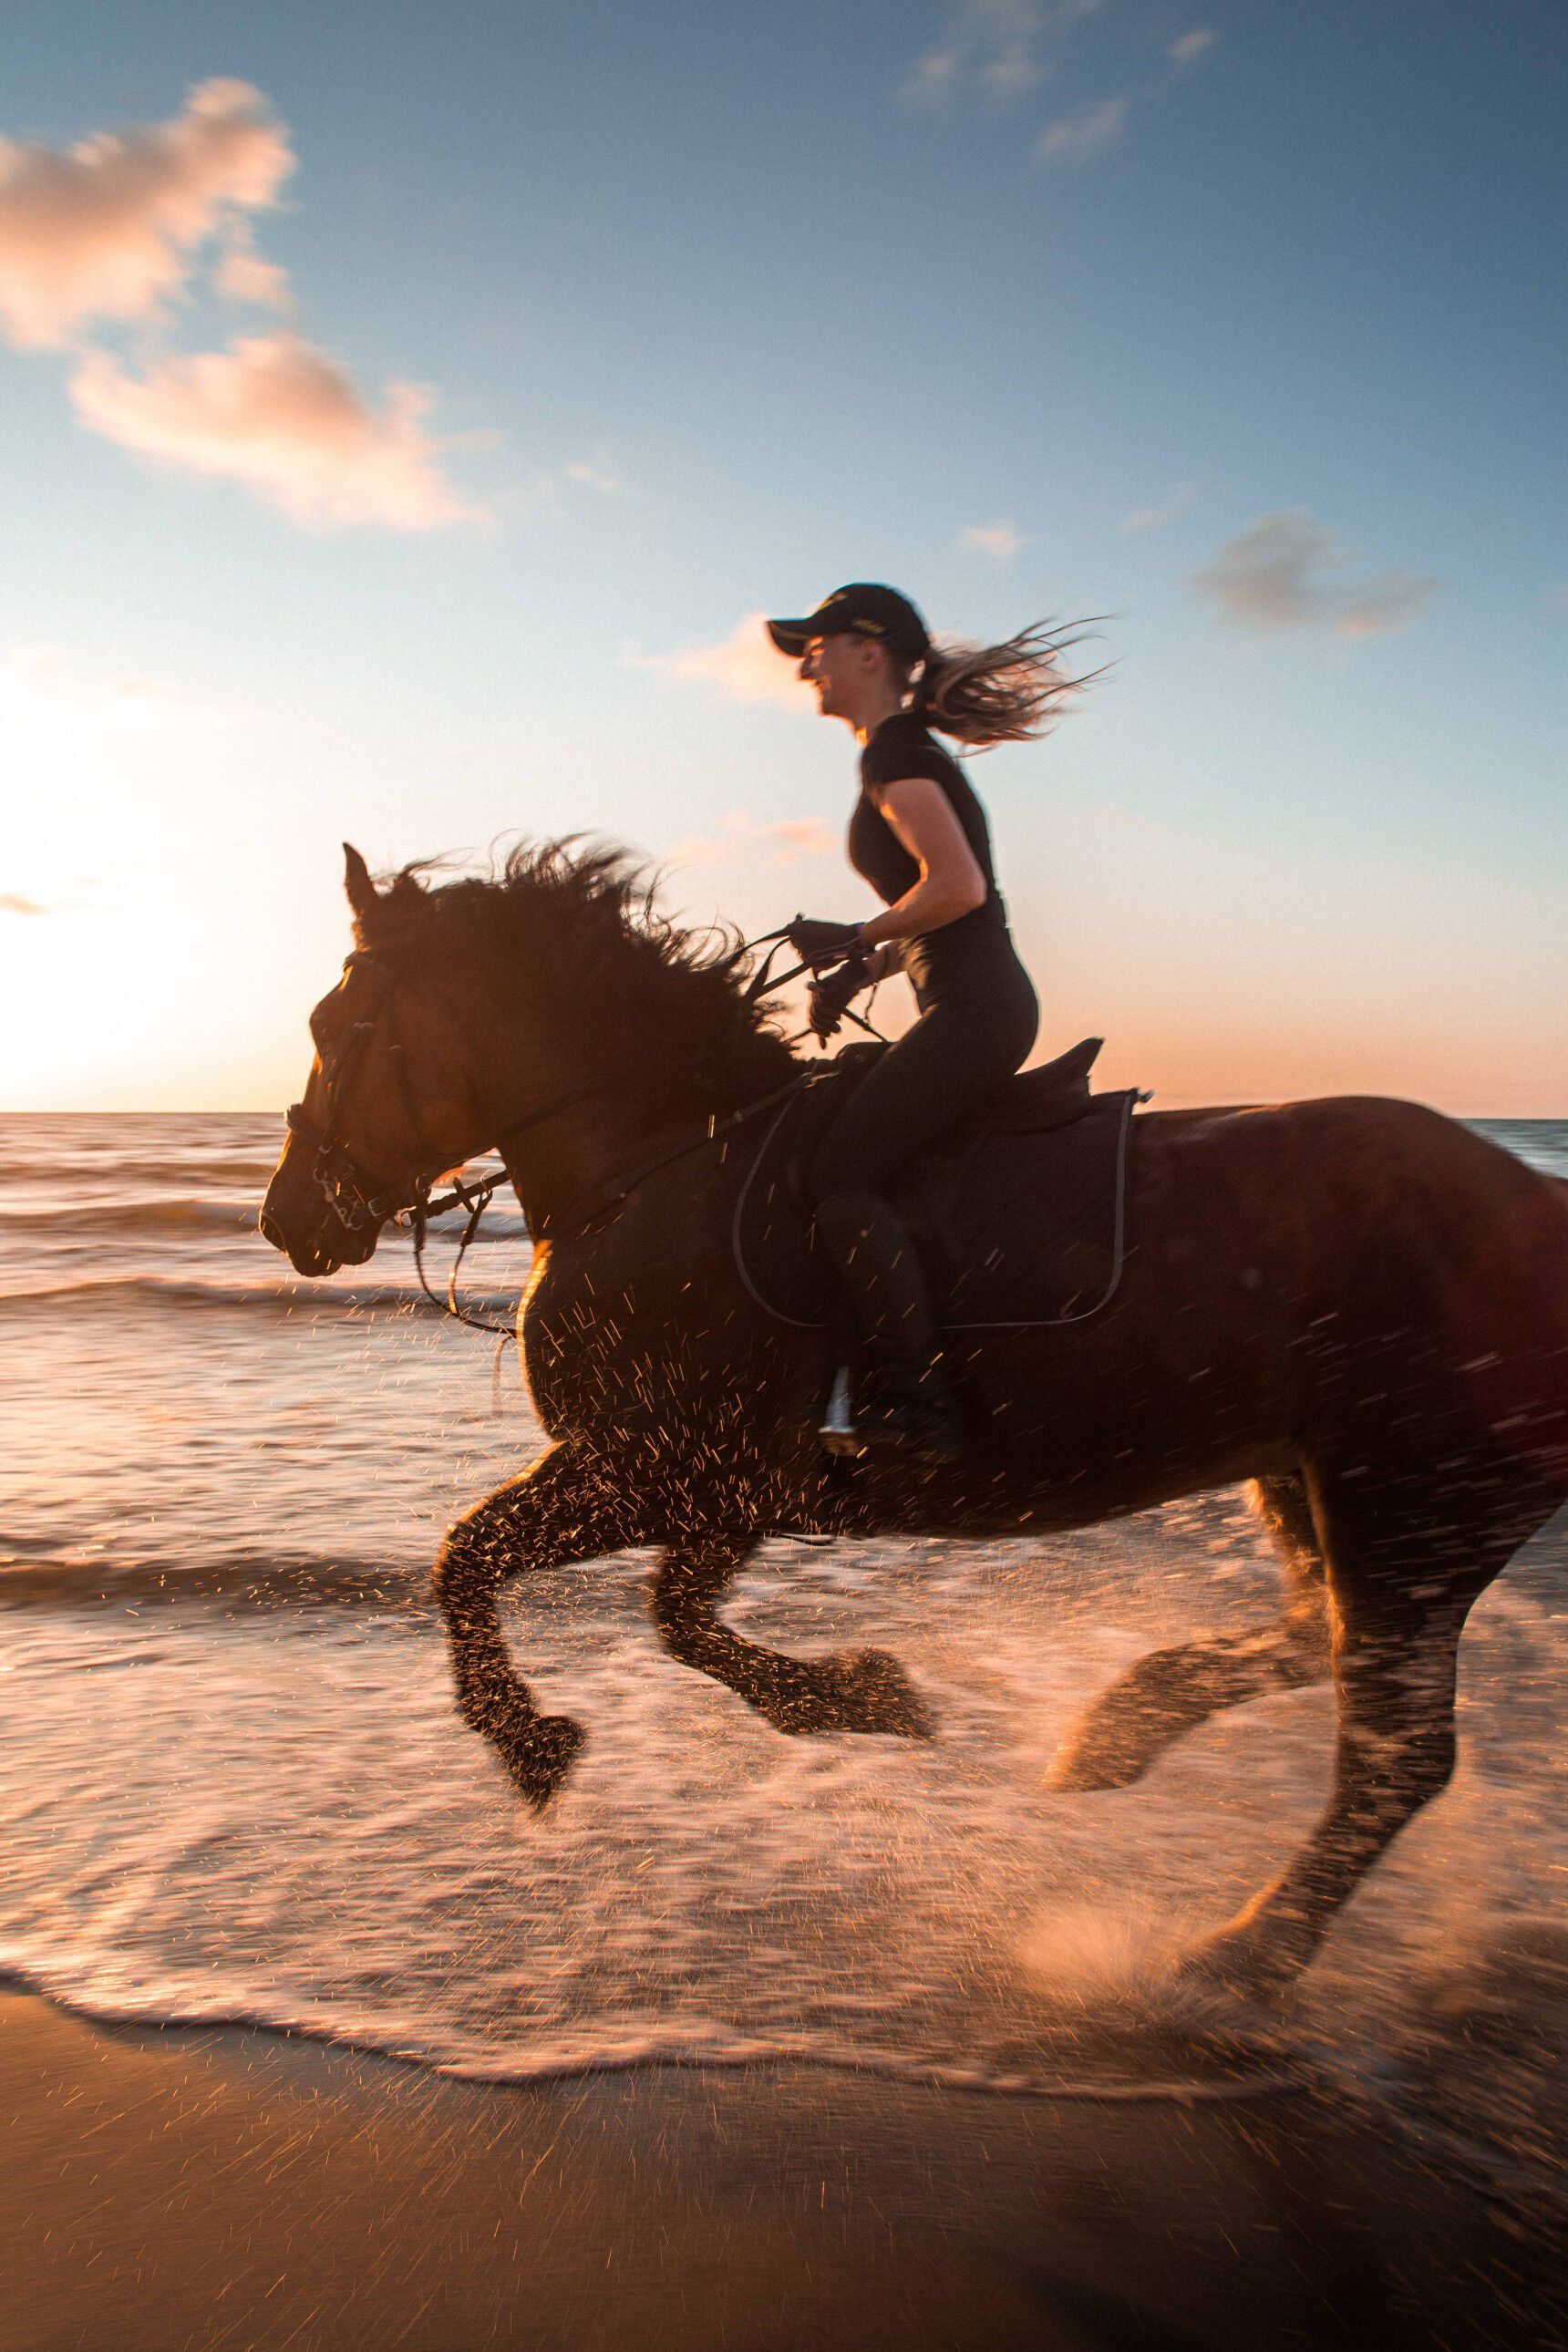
x,y
1173,1691
865,1690
1404,1571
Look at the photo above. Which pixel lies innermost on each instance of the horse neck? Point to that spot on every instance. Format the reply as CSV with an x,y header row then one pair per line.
x,y
553,1160
575,1153
585,1149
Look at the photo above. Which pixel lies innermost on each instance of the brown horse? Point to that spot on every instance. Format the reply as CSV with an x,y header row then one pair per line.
x,y
1357,1304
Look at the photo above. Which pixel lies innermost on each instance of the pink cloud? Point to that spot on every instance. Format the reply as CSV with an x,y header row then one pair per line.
x,y
287,419
744,668
36,682
1001,540
794,837
116,228
109,229
787,840
243,276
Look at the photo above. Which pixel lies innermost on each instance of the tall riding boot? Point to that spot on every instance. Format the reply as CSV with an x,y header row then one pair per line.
x,y
903,1396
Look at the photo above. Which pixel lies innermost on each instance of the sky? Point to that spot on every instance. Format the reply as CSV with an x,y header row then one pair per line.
x,y
409,412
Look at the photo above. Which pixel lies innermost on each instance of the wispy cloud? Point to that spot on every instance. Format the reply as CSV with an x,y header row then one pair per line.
x,y
591,475
1274,577
1078,138
1387,603
744,668
1074,138
14,902
550,493
1170,508
1001,540
285,418
787,841
37,681
109,229
995,46
1191,46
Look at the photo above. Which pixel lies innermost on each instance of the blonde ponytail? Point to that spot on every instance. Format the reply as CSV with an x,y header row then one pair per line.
x,y
982,695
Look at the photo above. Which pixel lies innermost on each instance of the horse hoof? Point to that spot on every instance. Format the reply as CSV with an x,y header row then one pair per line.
x,y
874,1694
540,1757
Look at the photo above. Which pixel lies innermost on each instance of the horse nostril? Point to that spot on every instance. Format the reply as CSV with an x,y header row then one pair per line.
x,y
271,1231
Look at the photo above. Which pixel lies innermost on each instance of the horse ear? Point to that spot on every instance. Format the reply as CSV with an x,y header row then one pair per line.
x,y
361,891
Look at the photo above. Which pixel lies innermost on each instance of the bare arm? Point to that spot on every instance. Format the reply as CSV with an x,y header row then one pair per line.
x,y
950,884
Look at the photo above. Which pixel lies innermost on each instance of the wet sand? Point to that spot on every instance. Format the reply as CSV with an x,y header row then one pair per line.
x,y
177,2188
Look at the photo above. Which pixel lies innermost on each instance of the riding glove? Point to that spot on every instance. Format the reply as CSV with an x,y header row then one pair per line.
x,y
831,997
820,944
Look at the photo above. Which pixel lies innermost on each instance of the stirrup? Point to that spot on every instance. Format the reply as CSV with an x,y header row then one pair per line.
x,y
926,1426
837,1428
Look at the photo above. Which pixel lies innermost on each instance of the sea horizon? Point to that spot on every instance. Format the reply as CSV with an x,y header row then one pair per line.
x,y
1157,1101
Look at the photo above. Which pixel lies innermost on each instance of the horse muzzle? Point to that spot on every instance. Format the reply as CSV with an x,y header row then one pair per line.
x,y
299,1217
305,1257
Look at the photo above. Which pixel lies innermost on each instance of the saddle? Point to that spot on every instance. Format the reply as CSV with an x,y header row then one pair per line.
x,y
1018,1214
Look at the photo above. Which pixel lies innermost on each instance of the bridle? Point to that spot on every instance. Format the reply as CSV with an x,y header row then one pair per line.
x,y
356,1195
360,1198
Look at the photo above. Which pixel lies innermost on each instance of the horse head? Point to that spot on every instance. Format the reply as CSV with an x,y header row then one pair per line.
x,y
548,1008
390,1101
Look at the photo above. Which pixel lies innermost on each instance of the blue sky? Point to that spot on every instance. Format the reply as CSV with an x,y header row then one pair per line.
x,y
1031,310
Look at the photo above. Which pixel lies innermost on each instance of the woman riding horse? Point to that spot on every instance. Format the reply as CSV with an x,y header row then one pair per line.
x,y
1358,1304
919,836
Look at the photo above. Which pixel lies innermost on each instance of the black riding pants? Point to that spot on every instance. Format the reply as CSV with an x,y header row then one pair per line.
x,y
973,1033
978,1019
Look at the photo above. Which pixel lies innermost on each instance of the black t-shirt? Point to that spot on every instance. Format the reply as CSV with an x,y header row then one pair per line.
x,y
904,746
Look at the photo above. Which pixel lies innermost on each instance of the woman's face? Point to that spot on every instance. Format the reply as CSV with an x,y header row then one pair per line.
x,y
840,667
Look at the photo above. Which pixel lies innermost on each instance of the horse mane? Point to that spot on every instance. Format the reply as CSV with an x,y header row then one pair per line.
x,y
571,930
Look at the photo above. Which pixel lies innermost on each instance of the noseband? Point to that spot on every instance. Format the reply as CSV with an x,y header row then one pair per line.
x,y
357,1197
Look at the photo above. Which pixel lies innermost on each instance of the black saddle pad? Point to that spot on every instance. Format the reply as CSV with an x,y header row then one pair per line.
x,y
1013,1228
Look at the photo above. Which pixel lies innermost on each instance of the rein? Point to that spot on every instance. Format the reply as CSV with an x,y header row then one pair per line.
x,y
593,1208
767,982
476,1199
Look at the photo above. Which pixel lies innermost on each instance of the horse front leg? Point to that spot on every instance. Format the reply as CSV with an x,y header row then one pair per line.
x,y
565,1508
864,1690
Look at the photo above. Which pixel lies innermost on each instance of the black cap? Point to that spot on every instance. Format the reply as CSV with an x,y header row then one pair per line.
x,y
864,609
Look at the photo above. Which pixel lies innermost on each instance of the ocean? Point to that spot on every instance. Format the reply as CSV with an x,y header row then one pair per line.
x,y
236,1787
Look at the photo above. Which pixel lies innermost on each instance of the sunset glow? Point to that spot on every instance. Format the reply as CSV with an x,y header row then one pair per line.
x,y
662,1691
434,502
